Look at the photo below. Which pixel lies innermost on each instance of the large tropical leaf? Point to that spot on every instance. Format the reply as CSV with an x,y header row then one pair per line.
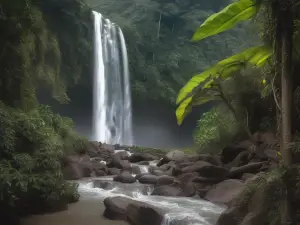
x,y
194,93
186,106
226,19
255,56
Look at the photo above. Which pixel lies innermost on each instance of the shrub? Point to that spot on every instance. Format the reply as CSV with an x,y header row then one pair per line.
x,y
31,146
215,130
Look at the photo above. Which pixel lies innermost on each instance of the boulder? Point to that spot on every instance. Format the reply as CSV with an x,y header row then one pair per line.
x,y
138,176
99,173
113,171
135,170
214,160
237,172
148,179
165,180
140,213
206,169
175,155
77,166
241,159
125,177
116,207
225,191
230,152
138,157
167,190
145,163
158,172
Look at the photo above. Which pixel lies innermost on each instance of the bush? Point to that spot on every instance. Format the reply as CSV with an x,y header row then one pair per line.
x,y
31,147
215,130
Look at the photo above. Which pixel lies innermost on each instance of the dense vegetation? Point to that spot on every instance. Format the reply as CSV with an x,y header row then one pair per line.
x,y
276,64
161,56
42,43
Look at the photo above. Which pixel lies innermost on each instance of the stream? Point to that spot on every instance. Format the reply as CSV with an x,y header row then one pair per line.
x,y
93,191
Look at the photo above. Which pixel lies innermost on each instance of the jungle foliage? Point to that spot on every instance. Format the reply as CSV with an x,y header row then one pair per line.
x,y
161,57
42,46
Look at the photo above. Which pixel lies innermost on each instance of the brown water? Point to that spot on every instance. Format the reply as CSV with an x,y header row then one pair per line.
x,y
84,212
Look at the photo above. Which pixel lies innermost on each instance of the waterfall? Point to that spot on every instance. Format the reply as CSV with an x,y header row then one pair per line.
x,y
112,114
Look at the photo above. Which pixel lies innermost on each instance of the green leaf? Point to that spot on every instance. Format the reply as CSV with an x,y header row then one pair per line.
x,y
255,56
195,92
186,106
226,19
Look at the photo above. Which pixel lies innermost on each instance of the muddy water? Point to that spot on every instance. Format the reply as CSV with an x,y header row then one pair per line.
x,y
85,212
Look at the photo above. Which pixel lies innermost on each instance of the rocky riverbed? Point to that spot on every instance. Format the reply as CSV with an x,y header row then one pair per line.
x,y
157,188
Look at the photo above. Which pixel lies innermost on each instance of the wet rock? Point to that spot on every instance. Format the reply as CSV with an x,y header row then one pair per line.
x,y
225,191
206,169
158,172
140,213
121,164
138,157
271,154
113,171
247,176
165,180
135,169
125,177
138,176
214,160
148,179
99,173
116,207
237,172
167,190
241,159
108,147
76,167
230,152
145,163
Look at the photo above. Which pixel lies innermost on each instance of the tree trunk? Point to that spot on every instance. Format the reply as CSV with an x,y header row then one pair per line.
x,y
286,23
286,82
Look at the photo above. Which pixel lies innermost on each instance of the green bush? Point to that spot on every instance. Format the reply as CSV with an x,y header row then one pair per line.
x,y
31,147
215,130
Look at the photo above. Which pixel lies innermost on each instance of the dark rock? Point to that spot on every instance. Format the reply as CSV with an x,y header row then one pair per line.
x,y
148,179
116,207
158,172
249,168
165,180
241,159
108,147
202,191
230,152
175,155
138,176
136,170
214,160
206,170
113,171
140,213
167,190
138,157
99,173
125,177
271,154
76,167
206,180
225,191
247,176
145,163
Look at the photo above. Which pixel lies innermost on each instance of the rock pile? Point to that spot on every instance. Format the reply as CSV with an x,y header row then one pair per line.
x,y
216,178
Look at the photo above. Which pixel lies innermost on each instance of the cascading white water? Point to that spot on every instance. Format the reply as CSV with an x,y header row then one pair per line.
x,y
112,114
